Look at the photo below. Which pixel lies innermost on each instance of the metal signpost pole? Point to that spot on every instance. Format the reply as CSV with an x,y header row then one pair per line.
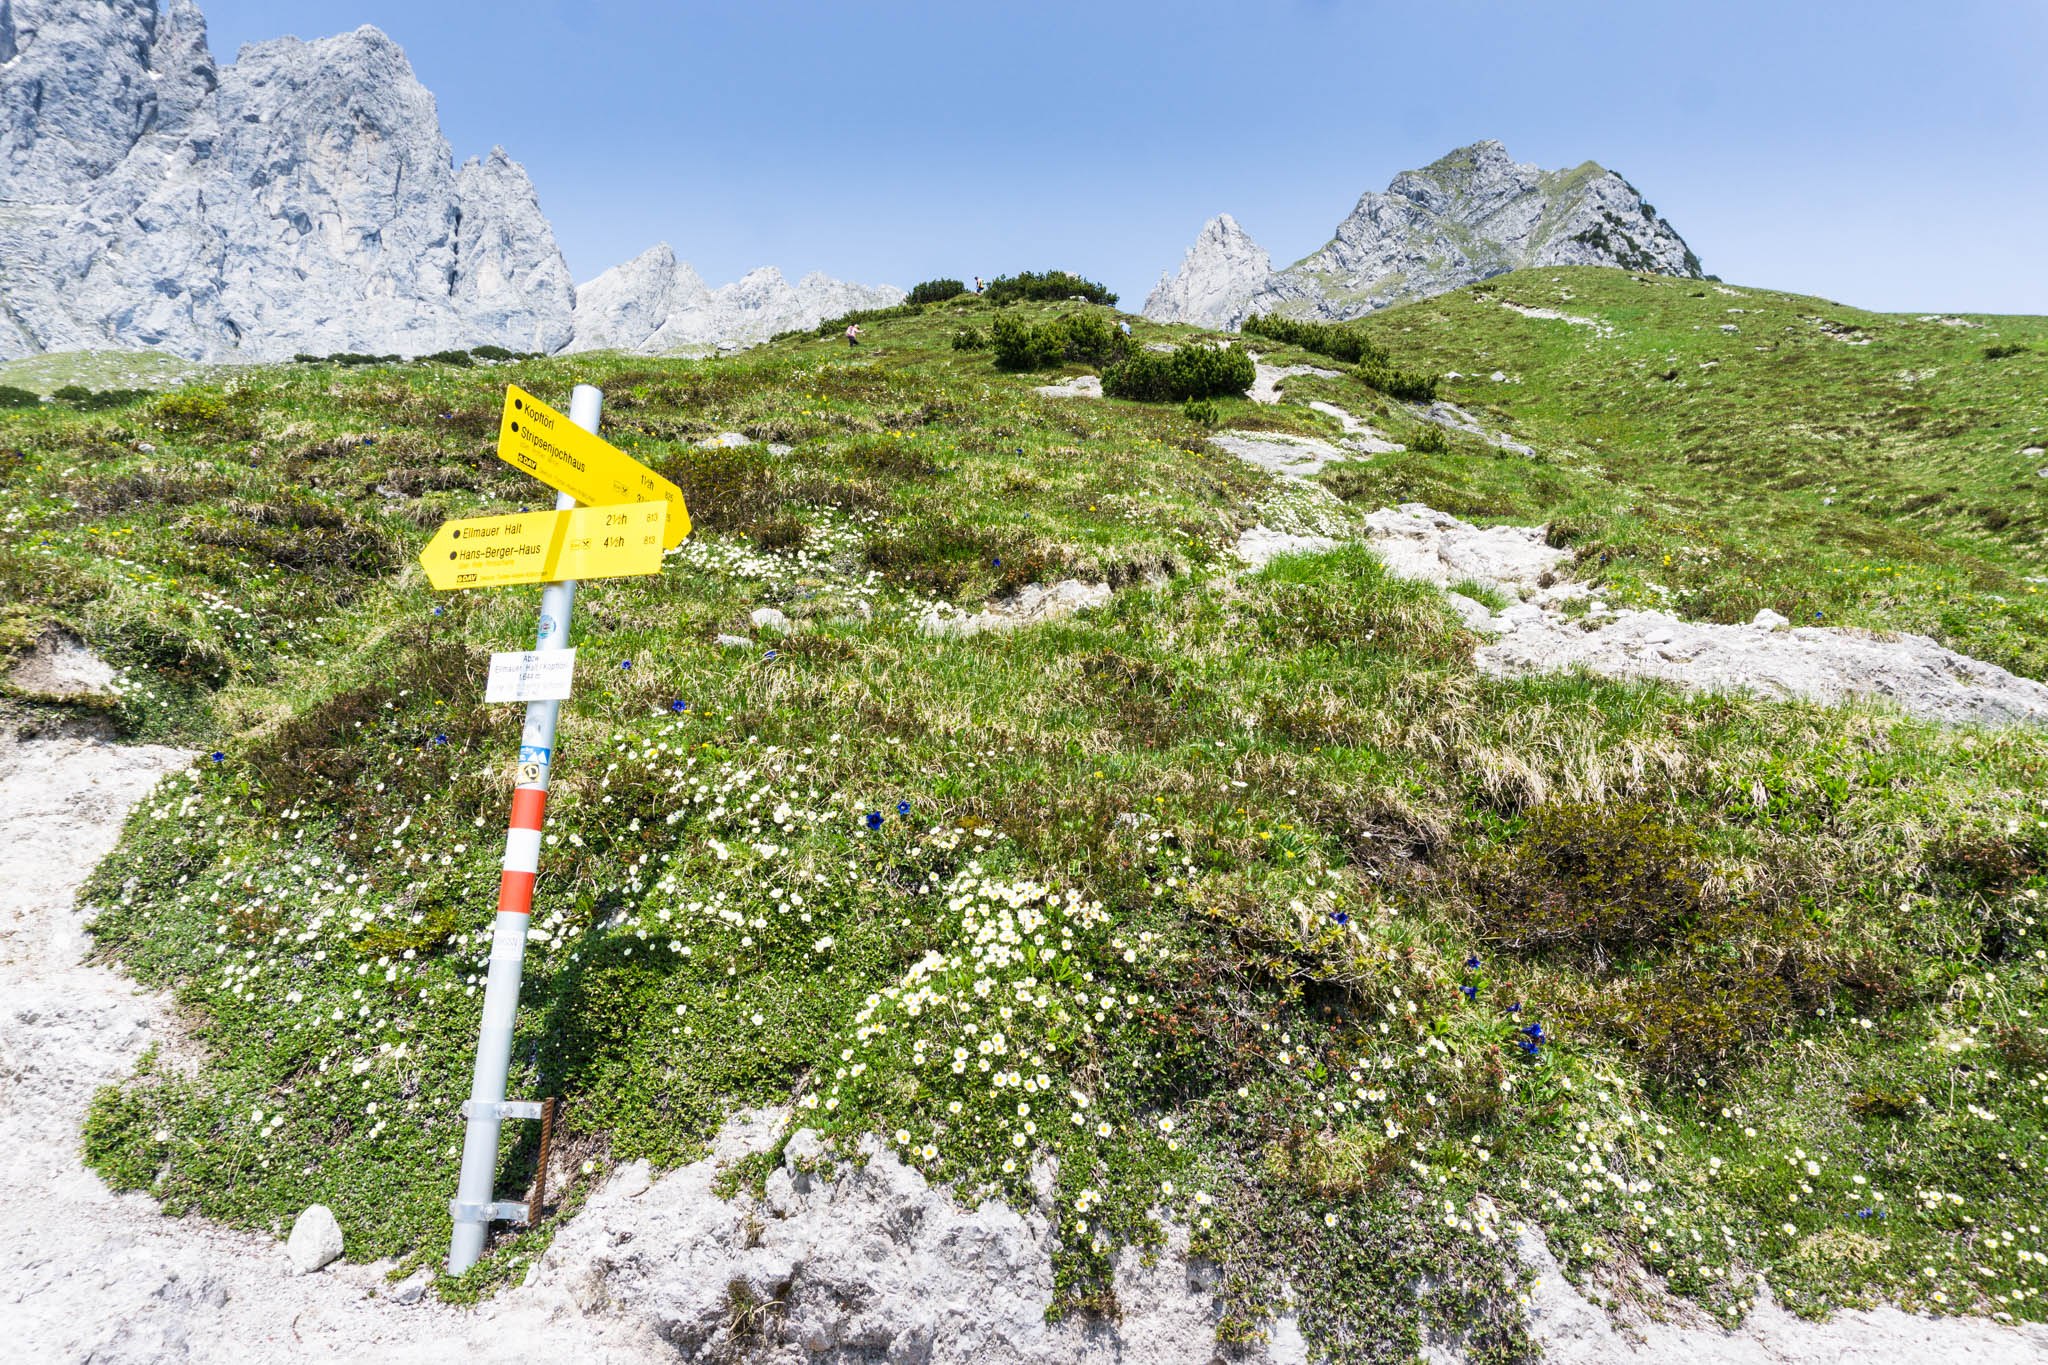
x,y
473,1208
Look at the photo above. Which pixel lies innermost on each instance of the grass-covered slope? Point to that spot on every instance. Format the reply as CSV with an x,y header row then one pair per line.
x,y
1246,900
1716,450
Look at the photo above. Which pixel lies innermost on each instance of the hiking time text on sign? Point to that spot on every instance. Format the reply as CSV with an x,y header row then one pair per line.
x,y
547,547
534,437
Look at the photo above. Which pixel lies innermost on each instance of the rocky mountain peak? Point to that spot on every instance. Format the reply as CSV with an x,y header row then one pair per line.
x,y
1470,214
301,199
1216,280
656,303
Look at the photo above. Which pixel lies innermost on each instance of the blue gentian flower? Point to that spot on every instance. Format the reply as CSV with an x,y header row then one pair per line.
x,y
769,655
1528,1045
874,819
1471,992
903,808
998,561
1535,1032
626,664
1472,963
679,707
216,755
1515,1008
440,739
439,610
1340,917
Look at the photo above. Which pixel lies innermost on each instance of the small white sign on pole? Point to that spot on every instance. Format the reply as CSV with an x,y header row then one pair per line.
x,y
531,675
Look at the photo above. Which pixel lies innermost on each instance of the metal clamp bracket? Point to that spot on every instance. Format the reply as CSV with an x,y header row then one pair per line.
x,y
504,1109
504,1211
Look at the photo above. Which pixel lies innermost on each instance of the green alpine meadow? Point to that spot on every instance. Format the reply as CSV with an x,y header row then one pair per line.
x,y
1242,906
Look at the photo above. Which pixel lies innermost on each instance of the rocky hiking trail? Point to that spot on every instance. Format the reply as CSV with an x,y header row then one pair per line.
x,y
1554,625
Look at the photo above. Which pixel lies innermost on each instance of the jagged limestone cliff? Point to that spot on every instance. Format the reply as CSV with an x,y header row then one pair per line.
x,y
301,199
1473,213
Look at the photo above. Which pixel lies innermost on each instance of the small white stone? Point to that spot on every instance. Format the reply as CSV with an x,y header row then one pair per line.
x,y
1767,619
735,642
315,1239
769,618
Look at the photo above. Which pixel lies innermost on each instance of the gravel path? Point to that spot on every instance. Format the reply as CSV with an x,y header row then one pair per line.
x,y
87,1275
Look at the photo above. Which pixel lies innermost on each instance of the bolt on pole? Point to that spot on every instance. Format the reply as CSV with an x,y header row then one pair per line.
x,y
472,1208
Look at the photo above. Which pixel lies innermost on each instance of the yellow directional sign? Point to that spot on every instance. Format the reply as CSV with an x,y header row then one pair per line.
x,y
534,437
546,547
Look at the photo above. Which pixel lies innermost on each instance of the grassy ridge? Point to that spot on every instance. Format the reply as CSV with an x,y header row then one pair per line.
x,y
1245,899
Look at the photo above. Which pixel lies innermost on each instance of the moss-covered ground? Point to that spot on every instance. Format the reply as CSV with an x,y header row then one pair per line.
x,y
1245,898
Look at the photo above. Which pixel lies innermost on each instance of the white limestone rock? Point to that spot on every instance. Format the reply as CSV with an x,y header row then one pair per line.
x,y
865,1260
315,1239
1279,452
1474,213
503,286
1420,542
655,304
62,665
1824,664
769,619
1476,615
302,199
1029,606
1261,545
1216,280
1267,379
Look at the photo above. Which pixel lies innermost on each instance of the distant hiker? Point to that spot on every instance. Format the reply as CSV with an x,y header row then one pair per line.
x,y
853,334
977,284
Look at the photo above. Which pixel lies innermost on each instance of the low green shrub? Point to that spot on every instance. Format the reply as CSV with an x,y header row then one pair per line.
x,y
1406,384
460,358
492,353
1346,342
1020,346
1202,412
935,291
1084,338
100,400
1192,371
200,413
1337,340
11,397
1048,285
2004,349
970,339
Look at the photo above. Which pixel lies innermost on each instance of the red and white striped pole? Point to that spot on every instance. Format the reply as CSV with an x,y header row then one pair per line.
x,y
473,1209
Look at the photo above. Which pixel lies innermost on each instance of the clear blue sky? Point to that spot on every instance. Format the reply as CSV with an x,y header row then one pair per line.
x,y
1884,154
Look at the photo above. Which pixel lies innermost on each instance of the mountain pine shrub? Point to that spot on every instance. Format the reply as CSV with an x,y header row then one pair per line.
x,y
1050,285
970,339
1083,338
1020,346
11,397
1343,341
1335,340
1192,371
935,291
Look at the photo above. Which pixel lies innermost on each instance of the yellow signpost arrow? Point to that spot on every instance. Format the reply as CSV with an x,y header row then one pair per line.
x,y
547,547
534,437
